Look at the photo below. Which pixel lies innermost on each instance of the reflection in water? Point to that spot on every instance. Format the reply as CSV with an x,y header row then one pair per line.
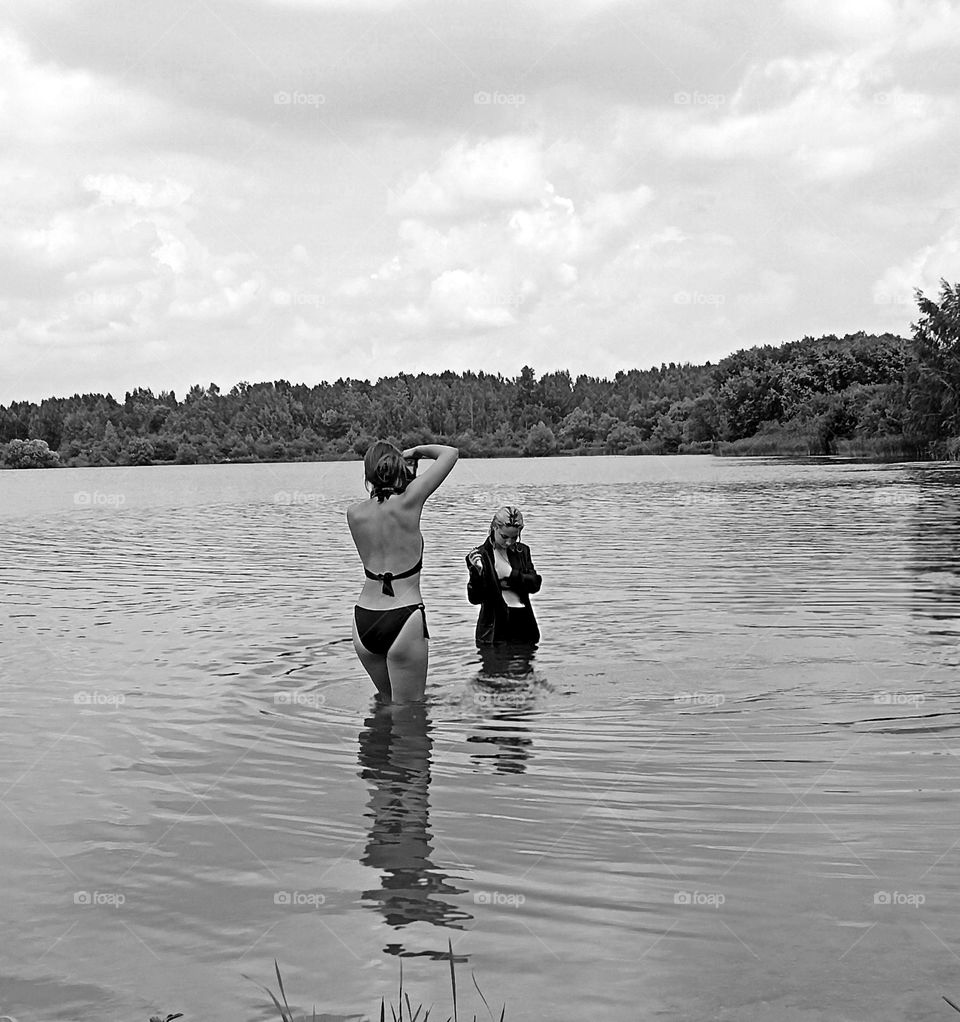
x,y
512,661
506,682
395,759
937,565
510,752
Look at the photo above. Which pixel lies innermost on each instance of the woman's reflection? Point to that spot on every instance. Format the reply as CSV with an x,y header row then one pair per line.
x,y
394,756
507,662
506,683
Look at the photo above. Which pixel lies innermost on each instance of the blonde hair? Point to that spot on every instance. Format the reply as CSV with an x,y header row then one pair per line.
x,y
506,517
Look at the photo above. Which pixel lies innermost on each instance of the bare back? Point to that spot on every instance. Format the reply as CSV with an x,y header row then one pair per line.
x,y
388,538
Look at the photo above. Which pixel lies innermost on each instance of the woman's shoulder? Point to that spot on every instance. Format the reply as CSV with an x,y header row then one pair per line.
x,y
357,510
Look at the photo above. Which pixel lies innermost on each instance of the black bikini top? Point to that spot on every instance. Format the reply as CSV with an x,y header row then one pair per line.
x,y
387,577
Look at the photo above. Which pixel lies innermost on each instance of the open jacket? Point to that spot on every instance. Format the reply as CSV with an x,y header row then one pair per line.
x,y
483,588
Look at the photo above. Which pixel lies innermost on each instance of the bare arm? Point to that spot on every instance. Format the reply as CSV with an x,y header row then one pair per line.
x,y
443,457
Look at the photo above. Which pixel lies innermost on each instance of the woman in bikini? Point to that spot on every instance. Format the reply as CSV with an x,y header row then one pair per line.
x,y
390,622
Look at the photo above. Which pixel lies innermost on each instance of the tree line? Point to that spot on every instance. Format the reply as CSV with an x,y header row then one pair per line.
x,y
857,394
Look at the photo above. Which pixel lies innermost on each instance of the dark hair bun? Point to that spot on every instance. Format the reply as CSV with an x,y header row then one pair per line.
x,y
391,475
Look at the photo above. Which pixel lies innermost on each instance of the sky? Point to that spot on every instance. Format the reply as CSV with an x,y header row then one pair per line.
x,y
200,191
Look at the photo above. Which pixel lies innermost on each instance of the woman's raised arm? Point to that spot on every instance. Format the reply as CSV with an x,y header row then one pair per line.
x,y
443,457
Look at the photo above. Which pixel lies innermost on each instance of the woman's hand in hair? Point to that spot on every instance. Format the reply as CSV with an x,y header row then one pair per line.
x,y
443,457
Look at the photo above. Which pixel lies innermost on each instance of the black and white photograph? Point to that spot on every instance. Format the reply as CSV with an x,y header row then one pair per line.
x,y
480,510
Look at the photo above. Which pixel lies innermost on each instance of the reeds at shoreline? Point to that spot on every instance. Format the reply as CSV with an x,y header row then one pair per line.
x,y
420,1013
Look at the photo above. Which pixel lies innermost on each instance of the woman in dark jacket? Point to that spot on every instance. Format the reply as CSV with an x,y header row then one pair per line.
x,y
502,577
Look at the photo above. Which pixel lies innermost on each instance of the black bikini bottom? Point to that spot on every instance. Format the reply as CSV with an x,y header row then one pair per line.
x,y
379,628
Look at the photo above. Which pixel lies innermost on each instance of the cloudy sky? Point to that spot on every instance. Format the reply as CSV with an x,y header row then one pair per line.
x,y
225,190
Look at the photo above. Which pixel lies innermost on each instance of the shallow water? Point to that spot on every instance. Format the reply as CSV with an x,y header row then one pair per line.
x,y
724,787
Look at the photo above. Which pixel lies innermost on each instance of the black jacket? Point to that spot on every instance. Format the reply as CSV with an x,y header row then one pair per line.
x,y
495,624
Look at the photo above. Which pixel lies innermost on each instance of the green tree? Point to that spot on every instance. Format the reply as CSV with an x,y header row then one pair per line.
x,y
139,451
621,437
578,428
29,454
703,421
934,376
540,441
187,454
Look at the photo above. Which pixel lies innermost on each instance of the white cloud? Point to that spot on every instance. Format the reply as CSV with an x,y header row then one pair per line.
x,y
168,209
121,188
922,269
498,172
851,20
825,117
516,249
774,294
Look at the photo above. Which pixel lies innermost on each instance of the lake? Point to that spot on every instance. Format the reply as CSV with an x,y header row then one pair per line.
x,y
725,786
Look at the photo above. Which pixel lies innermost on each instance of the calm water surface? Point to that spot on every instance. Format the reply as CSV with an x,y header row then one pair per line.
x,y
725,787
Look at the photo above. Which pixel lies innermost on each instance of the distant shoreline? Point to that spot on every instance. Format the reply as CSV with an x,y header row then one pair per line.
x,y
753,447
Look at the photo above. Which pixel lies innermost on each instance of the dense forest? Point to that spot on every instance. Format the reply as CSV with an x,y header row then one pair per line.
x,y
857,394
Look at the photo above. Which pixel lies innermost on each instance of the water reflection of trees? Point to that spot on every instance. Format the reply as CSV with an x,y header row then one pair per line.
x,y
505,684
394,756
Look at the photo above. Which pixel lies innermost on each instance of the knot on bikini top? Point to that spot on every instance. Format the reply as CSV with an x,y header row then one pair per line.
x,y
387,577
